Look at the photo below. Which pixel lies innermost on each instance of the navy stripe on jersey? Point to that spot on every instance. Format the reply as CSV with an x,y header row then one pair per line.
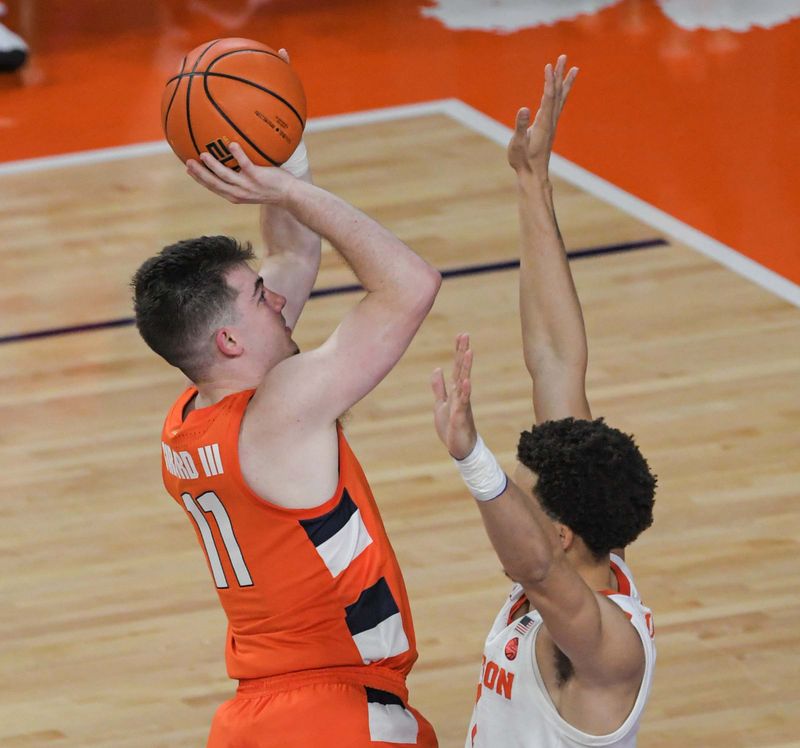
x,y
320,529
339,536
374,604
382,697
375,622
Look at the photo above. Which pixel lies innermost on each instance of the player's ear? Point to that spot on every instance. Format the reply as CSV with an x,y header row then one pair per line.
x,y
227,343
566,536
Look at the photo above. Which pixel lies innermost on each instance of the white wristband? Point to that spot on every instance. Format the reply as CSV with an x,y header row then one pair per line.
x,y
297,163
484,477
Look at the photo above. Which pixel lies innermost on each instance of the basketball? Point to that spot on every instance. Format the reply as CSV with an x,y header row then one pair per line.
x,y
234,90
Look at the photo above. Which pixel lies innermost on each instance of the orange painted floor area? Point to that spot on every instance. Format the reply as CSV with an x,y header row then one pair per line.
x,y
701,124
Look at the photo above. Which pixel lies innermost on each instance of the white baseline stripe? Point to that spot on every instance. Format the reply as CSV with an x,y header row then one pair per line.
x,y
636,207
475,120
373,116
102,155
320,124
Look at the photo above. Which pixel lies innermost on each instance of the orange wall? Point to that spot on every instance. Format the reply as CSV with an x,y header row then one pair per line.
x,y
702,124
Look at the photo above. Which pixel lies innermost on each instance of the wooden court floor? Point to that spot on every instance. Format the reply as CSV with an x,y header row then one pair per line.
x,y
111,633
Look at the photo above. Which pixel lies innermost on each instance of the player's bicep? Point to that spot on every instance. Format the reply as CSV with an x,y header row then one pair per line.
x,y
322,384
568,607
595,636
363,349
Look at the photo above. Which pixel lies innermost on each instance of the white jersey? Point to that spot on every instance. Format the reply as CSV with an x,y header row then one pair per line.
x,y
514,710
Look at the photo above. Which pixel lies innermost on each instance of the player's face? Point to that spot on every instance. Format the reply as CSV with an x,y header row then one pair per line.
x,y
260,320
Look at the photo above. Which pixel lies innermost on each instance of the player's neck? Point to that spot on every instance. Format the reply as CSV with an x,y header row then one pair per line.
x,y
223,380
596,574
212,391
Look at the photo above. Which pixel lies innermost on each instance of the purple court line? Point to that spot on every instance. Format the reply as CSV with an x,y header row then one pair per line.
x,y
491,267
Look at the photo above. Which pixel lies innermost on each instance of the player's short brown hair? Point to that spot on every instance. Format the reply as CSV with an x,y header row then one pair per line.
x,y
180,297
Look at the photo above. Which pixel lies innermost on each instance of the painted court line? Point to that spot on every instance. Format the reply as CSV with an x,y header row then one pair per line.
x,y
491,267
643,211
481,123
155,147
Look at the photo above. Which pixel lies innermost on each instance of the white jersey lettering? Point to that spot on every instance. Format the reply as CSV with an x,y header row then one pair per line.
x,y
513,707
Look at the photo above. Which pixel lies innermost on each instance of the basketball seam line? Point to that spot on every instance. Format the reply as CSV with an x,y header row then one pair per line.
x,y
246,81
188,92
246,49
233,125
261,51
219,57
174,94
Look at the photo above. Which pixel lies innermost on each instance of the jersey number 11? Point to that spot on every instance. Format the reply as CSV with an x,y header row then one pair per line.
x,y
209,503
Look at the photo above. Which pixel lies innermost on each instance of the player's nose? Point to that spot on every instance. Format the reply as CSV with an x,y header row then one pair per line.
x,y
276,301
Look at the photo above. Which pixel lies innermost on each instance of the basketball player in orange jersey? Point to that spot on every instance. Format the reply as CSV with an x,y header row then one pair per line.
x,y
569,659
320,635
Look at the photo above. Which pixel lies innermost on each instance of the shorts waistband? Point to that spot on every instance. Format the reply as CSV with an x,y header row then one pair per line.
x,y
372,676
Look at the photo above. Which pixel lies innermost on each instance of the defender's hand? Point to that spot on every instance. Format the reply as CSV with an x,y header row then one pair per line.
x,y
253,184
452,413
531,144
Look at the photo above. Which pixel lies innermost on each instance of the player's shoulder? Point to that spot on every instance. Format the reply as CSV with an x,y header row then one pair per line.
x,y
628,599
282,386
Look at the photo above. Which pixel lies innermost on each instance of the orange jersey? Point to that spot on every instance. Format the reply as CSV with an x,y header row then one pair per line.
x,y
302,588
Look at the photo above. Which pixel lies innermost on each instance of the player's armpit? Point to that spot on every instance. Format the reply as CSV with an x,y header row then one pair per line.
x,y
594,633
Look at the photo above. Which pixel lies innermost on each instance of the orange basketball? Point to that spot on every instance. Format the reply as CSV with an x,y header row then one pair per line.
x,y
234,89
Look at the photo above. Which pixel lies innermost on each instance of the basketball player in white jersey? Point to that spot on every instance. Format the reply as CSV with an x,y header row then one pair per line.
x,y
569,659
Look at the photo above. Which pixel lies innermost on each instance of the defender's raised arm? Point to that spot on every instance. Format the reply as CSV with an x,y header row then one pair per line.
x,y
553,334
573,635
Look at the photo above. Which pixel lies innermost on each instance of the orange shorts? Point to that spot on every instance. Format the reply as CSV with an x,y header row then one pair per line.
x,y
318,708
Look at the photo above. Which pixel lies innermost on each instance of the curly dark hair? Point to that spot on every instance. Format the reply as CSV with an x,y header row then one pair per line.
x,y
180,294
592,478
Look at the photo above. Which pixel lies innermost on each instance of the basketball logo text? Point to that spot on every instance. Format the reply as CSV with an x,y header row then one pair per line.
x,y
279,126
219,150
